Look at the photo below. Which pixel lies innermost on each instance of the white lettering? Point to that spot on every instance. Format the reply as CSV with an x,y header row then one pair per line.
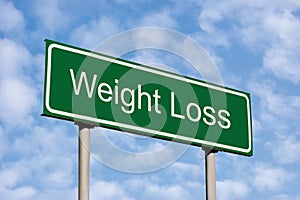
x,y
227,121
208,111
116,90
108,91
188,112
146,94
172,108
126,103
156,97
90,90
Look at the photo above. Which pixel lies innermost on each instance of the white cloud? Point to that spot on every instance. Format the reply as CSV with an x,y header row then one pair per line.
x,y
20,193
36,178
158,186
159,19
271,29
12,19
179,181
183,171
274,104
18,92
91,34
3,143
131,143
29,193
229,189
211,14
45,157
14,58
9,177
285,149
147,58
119,157
56,194
51,16
45,140
269,178
277,116
285,197
108,191
39,71
147,189
17,102
282,58
172,192
212,36
284,62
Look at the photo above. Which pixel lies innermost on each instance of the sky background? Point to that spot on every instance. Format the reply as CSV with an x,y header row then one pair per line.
x,y
255,45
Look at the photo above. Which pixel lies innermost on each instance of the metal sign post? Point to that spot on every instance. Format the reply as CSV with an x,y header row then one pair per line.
x,y
210,173
83,161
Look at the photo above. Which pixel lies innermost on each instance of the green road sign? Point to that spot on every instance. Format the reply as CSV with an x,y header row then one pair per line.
x,y
86,86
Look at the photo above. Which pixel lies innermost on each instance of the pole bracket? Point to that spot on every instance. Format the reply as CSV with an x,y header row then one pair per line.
x,y
84,125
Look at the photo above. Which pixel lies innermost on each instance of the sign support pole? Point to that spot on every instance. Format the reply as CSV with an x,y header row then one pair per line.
x,y
210,173
83,160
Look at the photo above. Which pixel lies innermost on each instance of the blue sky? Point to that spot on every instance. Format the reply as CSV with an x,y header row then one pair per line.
x,y
255,45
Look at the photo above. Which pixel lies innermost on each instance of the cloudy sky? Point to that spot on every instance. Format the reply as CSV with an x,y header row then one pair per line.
x,y
255,45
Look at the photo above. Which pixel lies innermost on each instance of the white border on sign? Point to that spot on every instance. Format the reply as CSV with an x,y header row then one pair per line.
x,y
153,71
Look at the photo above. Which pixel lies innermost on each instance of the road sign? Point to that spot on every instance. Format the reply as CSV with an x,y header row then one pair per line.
x,y
82,85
